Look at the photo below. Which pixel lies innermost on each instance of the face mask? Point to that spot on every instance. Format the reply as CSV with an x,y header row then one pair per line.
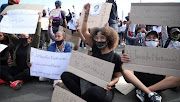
x,y
59,42
175,38
151,43
101,45
10,3
44,14
23,40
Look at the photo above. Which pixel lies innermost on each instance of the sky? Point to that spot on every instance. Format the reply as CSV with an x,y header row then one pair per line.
x,y
124,6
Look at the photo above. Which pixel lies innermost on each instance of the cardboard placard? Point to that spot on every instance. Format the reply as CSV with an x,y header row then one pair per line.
x,y
24,6
166,14
153,60
90,68
62,95
99,20
48,64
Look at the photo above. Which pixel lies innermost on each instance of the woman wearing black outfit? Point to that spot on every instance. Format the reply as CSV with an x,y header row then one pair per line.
x,y
103,41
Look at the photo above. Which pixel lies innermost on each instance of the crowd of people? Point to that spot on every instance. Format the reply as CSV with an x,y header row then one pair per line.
x,y
15,59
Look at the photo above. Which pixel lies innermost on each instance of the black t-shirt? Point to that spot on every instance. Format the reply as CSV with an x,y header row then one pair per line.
x,y
110,57
21,57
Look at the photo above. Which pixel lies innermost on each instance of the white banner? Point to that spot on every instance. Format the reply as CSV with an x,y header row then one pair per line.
x,y
48,64
19,22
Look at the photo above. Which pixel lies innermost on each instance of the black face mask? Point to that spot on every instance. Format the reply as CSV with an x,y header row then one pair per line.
x,y
44,14
23,40
59,42
10,3
101,45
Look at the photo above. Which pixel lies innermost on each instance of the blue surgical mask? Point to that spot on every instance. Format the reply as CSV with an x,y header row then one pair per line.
x,y
151,43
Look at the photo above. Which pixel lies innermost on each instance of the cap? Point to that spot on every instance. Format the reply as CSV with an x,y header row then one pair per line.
x,y
173,30
58,3
151,32
16,1
138,28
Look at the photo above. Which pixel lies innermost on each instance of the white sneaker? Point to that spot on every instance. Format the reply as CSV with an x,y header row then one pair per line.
x,y
58,83
43,79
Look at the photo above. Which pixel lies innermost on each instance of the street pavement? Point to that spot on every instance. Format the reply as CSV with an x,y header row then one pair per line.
x,y
35,91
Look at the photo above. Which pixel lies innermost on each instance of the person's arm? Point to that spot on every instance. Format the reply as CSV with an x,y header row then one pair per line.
x,y
64,19
84,28
114,81
50,31
164,34
36,39
126,34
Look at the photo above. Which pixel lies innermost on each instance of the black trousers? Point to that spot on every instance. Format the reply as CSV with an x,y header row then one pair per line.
x,y
12,74
93,94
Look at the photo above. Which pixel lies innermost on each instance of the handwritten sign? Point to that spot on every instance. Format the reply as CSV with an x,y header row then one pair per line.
x,y
97,21
62,95
19,22
155,13
48,64
55,12
44,23
91,69
2,47
24,7
153,60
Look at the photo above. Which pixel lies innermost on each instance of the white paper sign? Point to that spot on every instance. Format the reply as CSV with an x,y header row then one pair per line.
x,y
62,95
166,14
48,64
19,22
91,69
95,9
153,60
2,47
55,12
44,23
157,28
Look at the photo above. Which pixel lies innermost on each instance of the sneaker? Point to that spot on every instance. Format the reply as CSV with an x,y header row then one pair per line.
x,y
43,79
16,84
140,94
58,83
154,97
3,82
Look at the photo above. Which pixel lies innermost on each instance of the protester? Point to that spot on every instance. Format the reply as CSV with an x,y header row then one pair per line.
x,y
149,83
139,39
119,23
103,41
20,71
44,36
60,45
3,6
113,15
59,21
69,16
171,41
6,54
